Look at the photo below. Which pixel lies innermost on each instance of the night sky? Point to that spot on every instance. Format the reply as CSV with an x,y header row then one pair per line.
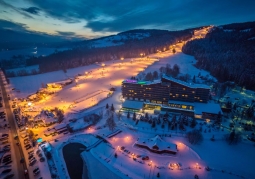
x,y
91,18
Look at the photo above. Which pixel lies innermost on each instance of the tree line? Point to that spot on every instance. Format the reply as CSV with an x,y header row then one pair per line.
x,y
159,40
228,52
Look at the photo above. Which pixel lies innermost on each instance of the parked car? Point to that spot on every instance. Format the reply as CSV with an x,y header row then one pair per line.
x,y
30,156
6,156
9,176
5,142
5,135
30,152
6,159
28,147
3,138
32,162
6,149
7,163
145,158
6,171
36,171
25,172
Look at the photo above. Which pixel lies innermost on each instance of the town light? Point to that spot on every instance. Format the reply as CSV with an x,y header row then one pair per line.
x,y
121,58
29,103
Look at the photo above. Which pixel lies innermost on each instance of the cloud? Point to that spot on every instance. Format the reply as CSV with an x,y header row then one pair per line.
x,y
32,10
9,6
4,24
66,33
109,17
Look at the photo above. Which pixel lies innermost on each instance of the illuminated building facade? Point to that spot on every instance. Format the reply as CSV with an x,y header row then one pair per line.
x,y
164,90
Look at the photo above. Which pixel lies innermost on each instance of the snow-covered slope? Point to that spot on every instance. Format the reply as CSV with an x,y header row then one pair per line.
x,y
118,39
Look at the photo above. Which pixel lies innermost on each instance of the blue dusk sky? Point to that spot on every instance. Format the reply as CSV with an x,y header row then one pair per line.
x,y
92,18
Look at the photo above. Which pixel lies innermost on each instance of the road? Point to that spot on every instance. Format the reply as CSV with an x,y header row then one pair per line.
x,y
17,149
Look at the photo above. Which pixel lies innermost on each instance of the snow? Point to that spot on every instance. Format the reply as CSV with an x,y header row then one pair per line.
x,y
191,85
246,30
235,96
252,38
228,30
79,124
117,39
81,98
132,104
208,108
157,141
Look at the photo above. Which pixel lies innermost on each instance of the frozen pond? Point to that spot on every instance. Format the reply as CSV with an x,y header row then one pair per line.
x,y
74,162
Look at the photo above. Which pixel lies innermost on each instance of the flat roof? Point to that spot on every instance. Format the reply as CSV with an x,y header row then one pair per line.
x,y
49,120
142,82
191,85
199,108
59,126
180,102
213,108
132,104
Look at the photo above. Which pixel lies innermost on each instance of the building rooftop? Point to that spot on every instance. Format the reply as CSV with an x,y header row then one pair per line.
x,y
190,85
157,141
142,82
181,102
213,108
60,126
207,108
132,104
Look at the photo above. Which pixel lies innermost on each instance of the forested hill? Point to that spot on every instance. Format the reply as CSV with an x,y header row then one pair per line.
x,y
228,52
131,47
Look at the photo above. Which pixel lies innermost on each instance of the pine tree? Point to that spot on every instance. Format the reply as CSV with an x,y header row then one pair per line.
x,y
134,116
158,175
110,122
128,115
107,106
194,79
146,116
112,108
193,123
